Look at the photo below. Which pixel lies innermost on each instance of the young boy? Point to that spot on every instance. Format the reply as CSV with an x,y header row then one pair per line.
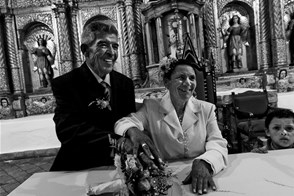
x,y
279,126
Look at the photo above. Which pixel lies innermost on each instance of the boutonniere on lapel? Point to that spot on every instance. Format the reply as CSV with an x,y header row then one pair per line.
x,y
101,104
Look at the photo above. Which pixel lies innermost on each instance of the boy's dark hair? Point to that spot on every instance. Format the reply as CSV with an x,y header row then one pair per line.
x,y
278,113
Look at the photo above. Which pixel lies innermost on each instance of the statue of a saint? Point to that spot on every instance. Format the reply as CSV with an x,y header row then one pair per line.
x,y
290,37
43,62
235,37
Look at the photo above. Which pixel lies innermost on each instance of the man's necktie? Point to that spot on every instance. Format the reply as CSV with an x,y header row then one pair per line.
x,y
107,92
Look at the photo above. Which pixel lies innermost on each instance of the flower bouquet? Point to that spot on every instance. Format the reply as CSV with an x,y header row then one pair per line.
x,y
142,181
138,176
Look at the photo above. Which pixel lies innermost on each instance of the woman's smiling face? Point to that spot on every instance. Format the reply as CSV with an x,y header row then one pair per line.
x,y
182,83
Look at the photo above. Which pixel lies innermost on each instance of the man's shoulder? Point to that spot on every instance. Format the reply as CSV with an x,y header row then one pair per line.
x,y
121,76
68,77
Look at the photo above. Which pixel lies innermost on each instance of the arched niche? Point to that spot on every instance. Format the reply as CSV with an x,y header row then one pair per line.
x,y
166,22
246,14
29,35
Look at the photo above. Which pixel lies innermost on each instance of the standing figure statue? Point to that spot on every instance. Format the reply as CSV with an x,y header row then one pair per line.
x,y
235,36
43,62
290,37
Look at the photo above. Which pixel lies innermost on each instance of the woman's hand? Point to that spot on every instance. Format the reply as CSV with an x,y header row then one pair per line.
x,y
140,139
200,177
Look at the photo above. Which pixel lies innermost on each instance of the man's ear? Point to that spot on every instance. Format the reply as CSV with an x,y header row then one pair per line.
x,y
84,49
267,132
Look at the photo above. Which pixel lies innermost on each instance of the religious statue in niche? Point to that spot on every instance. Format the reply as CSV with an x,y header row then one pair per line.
x,y
177,26
234,37
290,36
43,62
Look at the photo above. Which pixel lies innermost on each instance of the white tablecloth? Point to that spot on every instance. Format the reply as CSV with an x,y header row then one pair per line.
x,y
247,174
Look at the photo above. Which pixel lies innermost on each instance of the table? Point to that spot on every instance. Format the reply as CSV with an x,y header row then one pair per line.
x,y
247,174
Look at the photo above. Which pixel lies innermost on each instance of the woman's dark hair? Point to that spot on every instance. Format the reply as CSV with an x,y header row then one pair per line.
x,y
281,71
169,69
2,99
242,79
43,42
231,22
43,98
278,113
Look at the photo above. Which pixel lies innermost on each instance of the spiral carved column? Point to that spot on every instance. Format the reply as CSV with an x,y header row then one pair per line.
x,y
126,48
209,28
264,29
75,37
278,41
11,43
4,82
139,36
160,37
132,42
66,63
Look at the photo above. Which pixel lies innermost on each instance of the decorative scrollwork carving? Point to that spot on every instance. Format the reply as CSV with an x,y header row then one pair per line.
x,y
88,13
30,3
110,12
23,20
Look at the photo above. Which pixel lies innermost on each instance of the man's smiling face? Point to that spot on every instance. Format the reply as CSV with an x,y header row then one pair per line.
x,y
103,54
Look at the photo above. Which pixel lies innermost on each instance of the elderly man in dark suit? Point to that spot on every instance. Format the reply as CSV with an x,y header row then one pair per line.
x,y
90,99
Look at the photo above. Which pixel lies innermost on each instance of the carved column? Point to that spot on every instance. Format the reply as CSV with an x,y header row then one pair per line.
x,y
278,41
201,35
149,43
4,82
264,29
12,55
126,48
66,63
75,35
132,42
160,38
193,33
139,36
210,32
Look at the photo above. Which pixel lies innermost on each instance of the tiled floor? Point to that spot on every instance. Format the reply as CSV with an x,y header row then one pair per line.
x,y
15,172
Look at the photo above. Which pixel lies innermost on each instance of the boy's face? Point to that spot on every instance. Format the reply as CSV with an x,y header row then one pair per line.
x,y
281,131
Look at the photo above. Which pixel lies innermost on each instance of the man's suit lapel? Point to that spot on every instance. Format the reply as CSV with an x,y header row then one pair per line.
x,y
114,82
93,89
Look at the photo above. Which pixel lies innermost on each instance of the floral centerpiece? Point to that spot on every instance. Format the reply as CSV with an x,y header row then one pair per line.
x,y
146,181
138,176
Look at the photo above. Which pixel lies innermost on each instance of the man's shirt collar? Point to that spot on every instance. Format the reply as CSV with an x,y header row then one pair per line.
x,y
99,79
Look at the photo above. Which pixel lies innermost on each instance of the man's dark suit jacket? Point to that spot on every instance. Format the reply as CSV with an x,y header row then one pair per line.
x,y
82,129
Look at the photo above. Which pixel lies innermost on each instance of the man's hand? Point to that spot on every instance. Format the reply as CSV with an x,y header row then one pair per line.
x,y
200,177
141,140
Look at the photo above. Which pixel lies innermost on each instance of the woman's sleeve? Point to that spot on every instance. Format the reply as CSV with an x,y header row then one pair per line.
x,y
216,146
138,119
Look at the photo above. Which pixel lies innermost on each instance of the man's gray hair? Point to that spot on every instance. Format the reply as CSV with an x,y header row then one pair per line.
x,y
98,25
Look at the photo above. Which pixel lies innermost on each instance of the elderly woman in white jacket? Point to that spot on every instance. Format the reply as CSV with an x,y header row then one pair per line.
x,y
181,126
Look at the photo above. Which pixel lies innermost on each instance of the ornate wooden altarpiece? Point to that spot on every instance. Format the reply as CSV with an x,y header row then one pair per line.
x,y
149,30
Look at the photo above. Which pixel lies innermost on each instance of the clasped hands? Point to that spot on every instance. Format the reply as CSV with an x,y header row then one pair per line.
x,y
138,143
